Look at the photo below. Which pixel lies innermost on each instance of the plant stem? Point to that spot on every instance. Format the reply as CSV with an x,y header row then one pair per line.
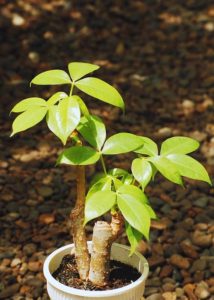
x,y
77,228
77,221
103,164
71,90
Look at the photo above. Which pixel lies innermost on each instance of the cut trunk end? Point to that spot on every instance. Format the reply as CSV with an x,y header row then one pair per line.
x,y
100,255
104,235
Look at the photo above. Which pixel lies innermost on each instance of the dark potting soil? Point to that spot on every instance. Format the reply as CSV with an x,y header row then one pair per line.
x,y
120,275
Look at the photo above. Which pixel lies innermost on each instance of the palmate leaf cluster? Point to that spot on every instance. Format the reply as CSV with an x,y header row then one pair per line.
x,y
114,189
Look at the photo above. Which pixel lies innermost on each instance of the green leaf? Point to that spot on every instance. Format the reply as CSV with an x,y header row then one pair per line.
x,y
124,176
97,177
79,69
117,172
78,155
179,145
121,143
131,191
117,183
64,118
28,104
149,147
93,130
154,171
104,184
167,168
98,204
151,212
142,171
82,106
135,213
189,167
101,90
134,237
28,119
52,77
56,97
128,179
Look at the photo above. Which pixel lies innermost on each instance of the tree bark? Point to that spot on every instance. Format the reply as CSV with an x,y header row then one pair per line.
x,y
104,235
77,228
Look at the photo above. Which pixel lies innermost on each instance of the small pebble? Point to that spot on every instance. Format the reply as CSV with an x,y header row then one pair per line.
x,y
201,239
179,261
169,296
15,262
202,291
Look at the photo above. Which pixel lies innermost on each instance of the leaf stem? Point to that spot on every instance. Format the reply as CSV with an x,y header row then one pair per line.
x,y
103,164
71,90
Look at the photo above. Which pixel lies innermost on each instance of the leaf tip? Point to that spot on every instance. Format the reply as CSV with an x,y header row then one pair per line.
x,y
209,181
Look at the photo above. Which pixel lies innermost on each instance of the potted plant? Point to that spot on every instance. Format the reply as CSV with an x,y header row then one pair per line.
x,y
116,191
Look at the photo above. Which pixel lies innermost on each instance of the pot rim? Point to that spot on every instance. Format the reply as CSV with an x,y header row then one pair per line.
x,y
79,292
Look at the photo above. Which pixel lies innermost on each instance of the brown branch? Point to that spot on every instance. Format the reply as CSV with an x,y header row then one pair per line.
x,y
77,228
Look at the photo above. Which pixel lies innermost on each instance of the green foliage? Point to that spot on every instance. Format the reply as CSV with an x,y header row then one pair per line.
x,y
131,191
103,184
134,237
98,204
134,212
101,90
52,77
82,106
28,119
28,104
179,145
142,171
189,167
63,118
151,212
121,143
148,147
79,69
56,98
93,130
114,189
79,155
167,168
172,162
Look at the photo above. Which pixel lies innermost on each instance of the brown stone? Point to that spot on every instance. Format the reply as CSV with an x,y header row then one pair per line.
x,y
188,250
158,225
169,296
22,224
25,289
142,247
35,266
210,281
166,271
201,239
179,261
202,291
46,219
188,289
155,261
9,291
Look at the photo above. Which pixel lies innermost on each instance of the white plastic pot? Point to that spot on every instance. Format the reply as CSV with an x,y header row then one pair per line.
x,y
133,291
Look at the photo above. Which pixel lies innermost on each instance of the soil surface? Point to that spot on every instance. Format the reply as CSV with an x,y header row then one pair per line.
x,y
120,275
159,54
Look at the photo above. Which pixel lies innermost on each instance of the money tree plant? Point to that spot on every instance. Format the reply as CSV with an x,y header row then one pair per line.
x,y
118,191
